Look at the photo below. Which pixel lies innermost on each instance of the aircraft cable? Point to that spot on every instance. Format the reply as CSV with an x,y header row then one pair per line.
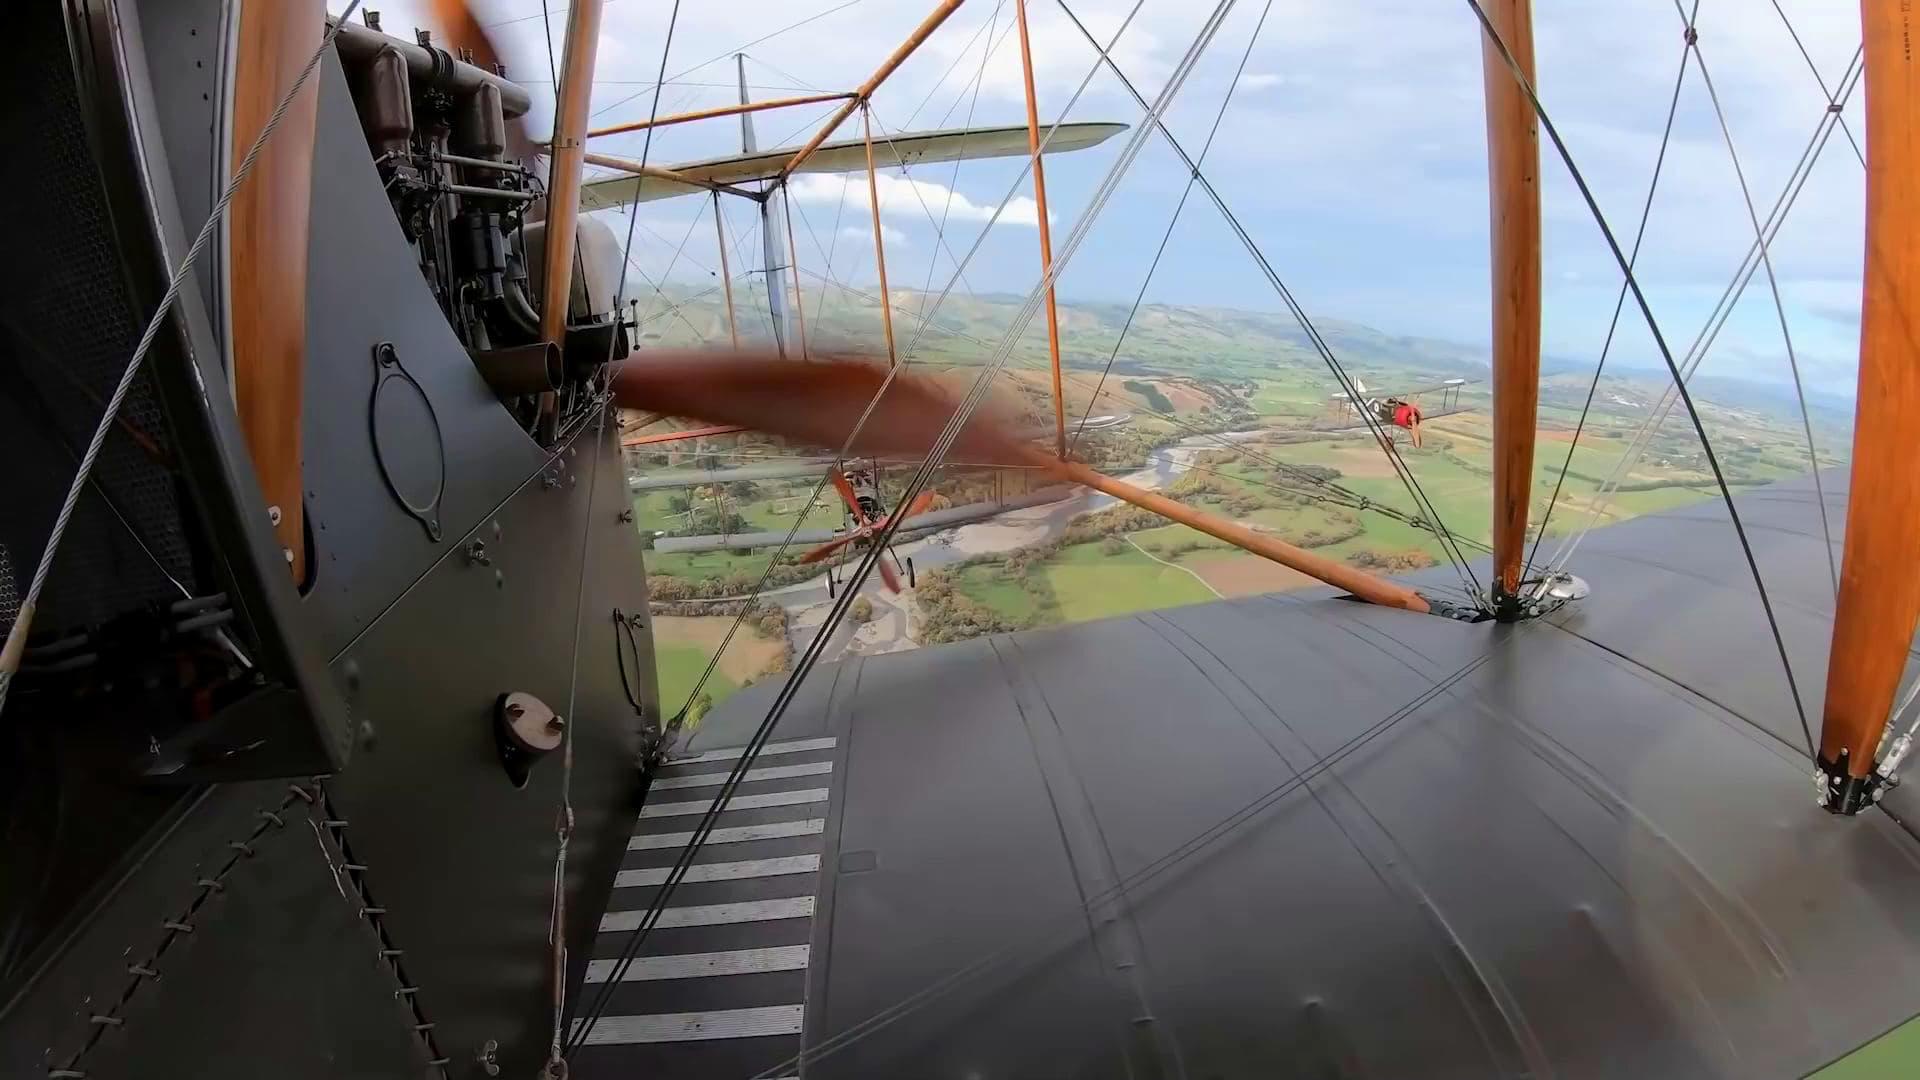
x,y
553,68
833,238
1336,500
963,412
939,226
926,323
1405,472
1352,499
986,28
1064,927
601,403
979,80
1773,284
16,640
939,232
674,309
1619,303
1717,319
563,824
1019,182
656,87
668,272
1719,316
1653,327
1832,99
1172,222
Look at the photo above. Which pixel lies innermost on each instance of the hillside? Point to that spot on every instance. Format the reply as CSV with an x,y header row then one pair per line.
x,y
1188,340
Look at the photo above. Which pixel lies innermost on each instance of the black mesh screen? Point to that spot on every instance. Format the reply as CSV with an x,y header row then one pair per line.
x,y
67,328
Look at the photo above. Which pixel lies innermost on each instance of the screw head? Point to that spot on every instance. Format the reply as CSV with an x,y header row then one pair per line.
x,y
273,515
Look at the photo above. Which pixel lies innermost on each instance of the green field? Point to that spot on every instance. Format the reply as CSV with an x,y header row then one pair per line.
x,y
1083,582
680,667
1896,1053
1238,370
1089,584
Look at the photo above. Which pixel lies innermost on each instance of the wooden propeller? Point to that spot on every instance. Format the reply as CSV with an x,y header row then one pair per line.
x,y
823,403
462,32
865,529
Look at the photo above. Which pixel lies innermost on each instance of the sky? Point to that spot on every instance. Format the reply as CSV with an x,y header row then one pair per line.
x,y
1351,148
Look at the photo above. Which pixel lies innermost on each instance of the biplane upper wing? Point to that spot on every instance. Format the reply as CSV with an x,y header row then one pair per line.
x,y
843,155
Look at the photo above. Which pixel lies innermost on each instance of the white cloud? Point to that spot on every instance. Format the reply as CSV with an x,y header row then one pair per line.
x,y
1259,80
915,200
1061,56
895,238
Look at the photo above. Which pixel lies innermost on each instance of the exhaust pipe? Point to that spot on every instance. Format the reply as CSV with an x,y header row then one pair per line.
x,y
520,370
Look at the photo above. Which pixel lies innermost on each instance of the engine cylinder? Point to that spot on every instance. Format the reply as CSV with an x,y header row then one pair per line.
x,y
480,126
386,105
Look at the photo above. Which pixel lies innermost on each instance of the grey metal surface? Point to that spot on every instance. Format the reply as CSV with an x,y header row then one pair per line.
x,y
463,861
1581,847
365,288
319,1004
236,549
280,973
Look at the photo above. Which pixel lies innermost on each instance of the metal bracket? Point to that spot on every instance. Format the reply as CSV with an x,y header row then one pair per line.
x,y
1839,792
390,373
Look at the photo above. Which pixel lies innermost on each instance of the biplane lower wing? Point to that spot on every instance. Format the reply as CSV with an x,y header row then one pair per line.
x,y
932,521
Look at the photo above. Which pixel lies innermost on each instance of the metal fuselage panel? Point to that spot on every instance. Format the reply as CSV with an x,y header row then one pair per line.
x,y
419,635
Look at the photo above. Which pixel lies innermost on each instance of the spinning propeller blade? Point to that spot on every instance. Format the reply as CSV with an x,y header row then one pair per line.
x,y
828,548
464,32
845,489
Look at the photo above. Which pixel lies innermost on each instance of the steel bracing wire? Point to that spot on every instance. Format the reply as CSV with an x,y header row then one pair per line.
x,y
1341,495
1717,318
1619,302
657,86
1832,98
600,404
1446,538
1773,285
1666,354
753,596
1172,223
876,550
1461,563
680,249
979,79
17,633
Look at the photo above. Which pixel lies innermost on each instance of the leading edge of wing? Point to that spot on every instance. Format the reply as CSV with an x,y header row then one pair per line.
x,y
844,155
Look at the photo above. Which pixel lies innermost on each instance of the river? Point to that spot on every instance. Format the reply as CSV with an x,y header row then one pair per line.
x,y
1021,528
